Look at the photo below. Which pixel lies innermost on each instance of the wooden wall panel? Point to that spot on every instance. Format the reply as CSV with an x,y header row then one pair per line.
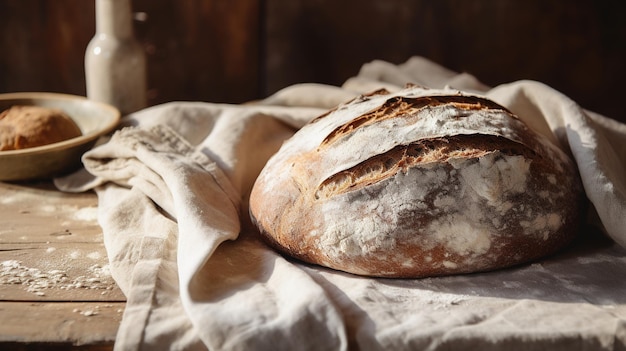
x,y
201,50
239,50
578,47
196,49
42,44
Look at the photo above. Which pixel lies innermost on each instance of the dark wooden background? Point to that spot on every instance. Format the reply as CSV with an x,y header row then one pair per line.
x,y
240,50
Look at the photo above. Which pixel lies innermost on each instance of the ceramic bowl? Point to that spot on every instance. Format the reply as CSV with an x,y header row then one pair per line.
x,y
93,118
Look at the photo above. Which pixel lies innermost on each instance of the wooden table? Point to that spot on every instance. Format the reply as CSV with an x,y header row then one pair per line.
x,y
56,290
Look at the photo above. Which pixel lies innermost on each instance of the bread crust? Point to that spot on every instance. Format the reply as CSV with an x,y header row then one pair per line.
x,y
24,127
417,183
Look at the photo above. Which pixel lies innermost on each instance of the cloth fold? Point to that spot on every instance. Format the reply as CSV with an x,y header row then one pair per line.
x,y
584,137
173,186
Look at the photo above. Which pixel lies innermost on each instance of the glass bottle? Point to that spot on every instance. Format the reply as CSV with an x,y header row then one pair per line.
x,y
115,63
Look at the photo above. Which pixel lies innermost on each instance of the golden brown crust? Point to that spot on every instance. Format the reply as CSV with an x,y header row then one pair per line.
x,y
417,183
24,127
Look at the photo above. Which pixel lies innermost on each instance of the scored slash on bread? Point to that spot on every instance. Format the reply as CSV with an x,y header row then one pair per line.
x,y
400,158
417,183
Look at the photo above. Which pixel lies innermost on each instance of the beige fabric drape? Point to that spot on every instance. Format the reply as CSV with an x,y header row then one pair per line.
x,y
173,186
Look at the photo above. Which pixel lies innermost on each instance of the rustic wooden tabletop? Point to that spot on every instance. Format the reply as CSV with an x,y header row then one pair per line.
x,y
56,290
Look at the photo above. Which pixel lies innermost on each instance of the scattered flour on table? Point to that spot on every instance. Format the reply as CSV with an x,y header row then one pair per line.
x,y
36,281
95,255
83,214
86,214
16,197
89,213
96,310
51,204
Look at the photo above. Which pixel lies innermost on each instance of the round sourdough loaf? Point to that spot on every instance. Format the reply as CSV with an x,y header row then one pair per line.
x,y
417,183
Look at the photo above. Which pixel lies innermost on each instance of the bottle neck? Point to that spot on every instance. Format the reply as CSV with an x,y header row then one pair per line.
x,y
114,17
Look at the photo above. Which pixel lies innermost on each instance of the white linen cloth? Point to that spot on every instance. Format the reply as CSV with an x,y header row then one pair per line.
x,y
173,186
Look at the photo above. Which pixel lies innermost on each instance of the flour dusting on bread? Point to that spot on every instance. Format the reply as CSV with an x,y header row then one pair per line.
x,y
417,183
